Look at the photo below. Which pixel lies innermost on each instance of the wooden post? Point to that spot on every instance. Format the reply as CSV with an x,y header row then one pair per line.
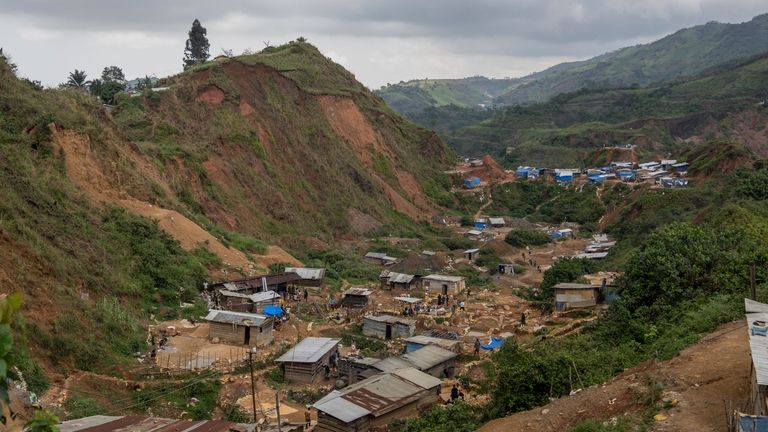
x,y
277,409
253,385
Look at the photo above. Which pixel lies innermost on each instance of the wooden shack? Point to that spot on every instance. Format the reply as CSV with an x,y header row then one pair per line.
x,y
388,327
261,299
239,327
443,284
356,298
374,403
233,301
471,254
277,282
414,343
393,280
305,362
575,295
309,277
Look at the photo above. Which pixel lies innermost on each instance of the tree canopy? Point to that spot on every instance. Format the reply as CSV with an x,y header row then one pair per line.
x,y
77,79
113,73
197,48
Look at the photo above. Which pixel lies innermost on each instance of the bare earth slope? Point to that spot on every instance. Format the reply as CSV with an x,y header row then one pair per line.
x,y
700,379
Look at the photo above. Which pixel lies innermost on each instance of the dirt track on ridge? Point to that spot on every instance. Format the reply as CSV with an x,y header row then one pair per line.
x,y
699,379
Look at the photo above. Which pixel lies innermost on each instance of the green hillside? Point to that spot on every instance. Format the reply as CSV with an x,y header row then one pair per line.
x,y
417,95
684,53
571,126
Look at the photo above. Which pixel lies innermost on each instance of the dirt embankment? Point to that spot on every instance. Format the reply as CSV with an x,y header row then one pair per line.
x,y
85,171
349,123
703,376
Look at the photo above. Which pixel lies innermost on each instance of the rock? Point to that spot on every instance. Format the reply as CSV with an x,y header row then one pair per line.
x,y
544,411
215,340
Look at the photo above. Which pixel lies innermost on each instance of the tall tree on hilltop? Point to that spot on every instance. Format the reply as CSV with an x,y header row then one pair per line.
x,y
77,79
196,50
113,74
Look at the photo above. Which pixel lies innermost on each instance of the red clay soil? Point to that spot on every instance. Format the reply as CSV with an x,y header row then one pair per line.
x,y
83,169
212,95
348,122
698,381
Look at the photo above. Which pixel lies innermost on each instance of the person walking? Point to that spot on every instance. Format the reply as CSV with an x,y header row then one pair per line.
x,y
454,393
477,347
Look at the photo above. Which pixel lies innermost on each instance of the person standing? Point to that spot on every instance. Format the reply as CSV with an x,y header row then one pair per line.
x,y
307,418
477,347
306,294
454,393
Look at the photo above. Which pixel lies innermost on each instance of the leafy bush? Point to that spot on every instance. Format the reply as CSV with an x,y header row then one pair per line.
x,y
564,270
79,407
458,417
235,413
527,237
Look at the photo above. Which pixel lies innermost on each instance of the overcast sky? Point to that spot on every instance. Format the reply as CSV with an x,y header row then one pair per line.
x,y
380,41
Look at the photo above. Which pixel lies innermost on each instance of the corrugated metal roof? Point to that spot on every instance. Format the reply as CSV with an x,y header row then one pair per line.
x,y
358,292
391,364
427,252
257,282
400,277
231,317
309,350
474,232
377,395
468,251
336,406
497,221
263,296
148,424
596,255
758,344
565,285
227,293
443,278
428,356
411,300
421,379
307,273
429,340
752,306
390,319
377,255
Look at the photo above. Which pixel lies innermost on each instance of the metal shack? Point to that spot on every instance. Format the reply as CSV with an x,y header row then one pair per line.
x,y
576,295
471,254
234,301
430,359
135,423
305,362
443,284
240,327
261,299
388,326
757,330
356,298
377,401
310,277
394,280
417,342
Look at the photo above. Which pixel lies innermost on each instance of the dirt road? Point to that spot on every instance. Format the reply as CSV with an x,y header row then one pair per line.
x,y
699,379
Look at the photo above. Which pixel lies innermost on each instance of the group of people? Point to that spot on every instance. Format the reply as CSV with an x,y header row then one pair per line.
x,y
444,302
532,262
331,368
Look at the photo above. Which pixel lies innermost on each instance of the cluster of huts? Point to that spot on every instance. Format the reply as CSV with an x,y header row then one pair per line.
x,y
598,248
245,311
668,173
372,392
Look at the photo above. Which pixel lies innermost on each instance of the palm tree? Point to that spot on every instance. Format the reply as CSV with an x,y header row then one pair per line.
x,y
77,79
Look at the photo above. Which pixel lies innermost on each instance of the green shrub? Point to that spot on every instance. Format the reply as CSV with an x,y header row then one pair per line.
x,y
527,237
78,407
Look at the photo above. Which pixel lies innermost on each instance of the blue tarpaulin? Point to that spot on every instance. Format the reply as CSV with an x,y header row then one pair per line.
x,y
748,423
493,344
272,310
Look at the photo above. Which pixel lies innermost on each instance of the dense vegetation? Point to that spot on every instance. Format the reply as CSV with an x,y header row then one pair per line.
x,y
527,237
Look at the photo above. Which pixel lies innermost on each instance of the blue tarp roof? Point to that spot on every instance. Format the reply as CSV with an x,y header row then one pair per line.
x,y
493,344
272,310
749,423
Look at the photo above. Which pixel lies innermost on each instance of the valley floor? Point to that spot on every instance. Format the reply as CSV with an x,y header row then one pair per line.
x,y
701,379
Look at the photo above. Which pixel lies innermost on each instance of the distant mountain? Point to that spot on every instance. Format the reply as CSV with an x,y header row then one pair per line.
x,y
687,52
728,101
684,53
417,95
